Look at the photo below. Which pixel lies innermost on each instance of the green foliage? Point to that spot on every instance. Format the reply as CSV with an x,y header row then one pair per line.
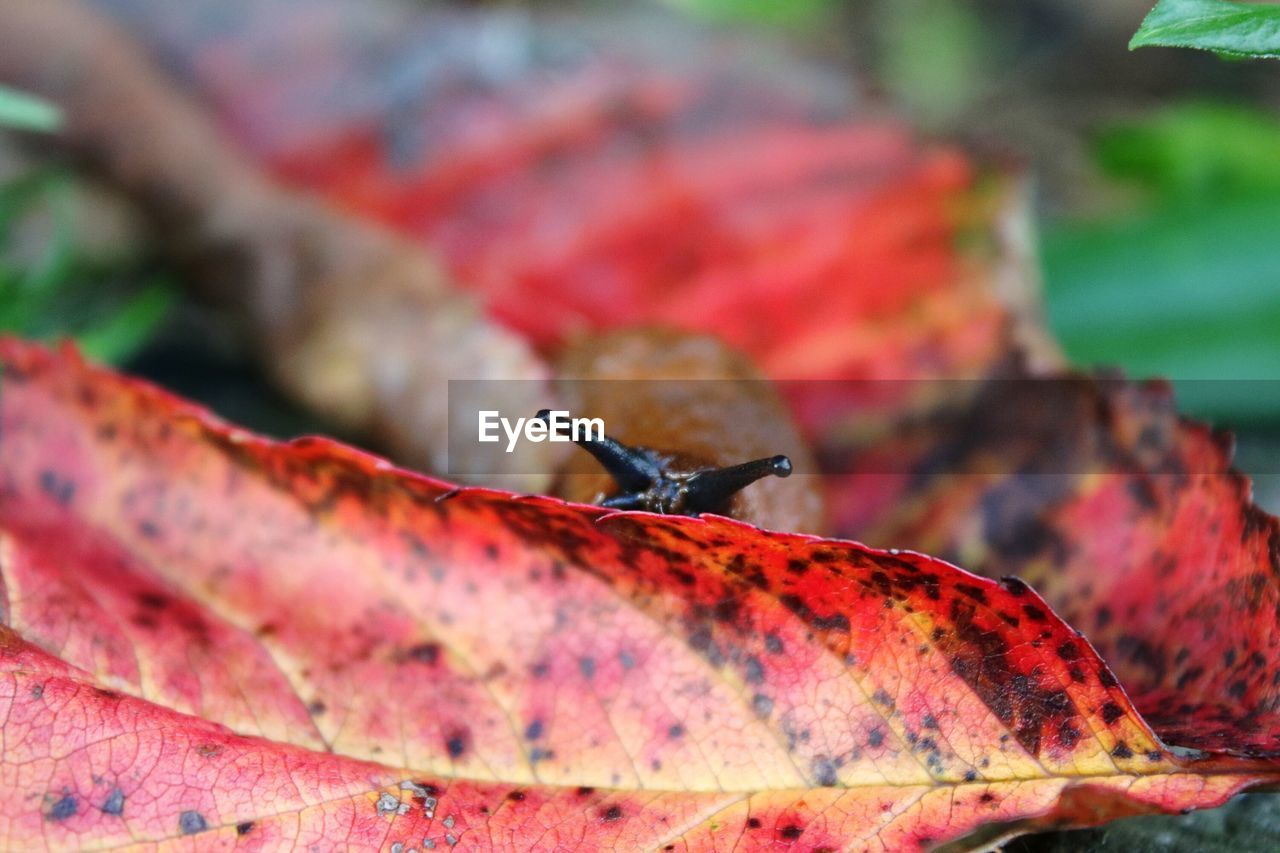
x,y
1188,284
20,111
1233,29
784,13
933,53
63,291
1197,151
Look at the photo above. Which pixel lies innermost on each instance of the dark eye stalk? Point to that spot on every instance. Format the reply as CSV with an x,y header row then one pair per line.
x,y
650,482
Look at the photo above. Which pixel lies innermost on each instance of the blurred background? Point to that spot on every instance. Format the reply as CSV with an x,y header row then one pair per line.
x,y
1156,180
1156,177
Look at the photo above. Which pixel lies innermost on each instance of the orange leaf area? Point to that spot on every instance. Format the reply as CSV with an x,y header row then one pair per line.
x,y
297,643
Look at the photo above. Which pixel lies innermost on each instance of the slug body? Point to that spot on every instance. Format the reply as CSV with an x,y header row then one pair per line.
x,y
653,481
693,428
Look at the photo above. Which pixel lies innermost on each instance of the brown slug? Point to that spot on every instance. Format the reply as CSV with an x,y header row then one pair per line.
x,y
692,427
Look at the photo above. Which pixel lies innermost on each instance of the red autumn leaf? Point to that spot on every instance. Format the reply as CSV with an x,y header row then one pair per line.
x,y
1127,517
207,632
617,189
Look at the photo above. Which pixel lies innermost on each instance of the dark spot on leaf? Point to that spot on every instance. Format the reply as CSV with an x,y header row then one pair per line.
x,y
773,643
612,813
587,666
63,808
427,653
517,796
834,622
1111,712
244,828
533,731
824,771
753,823
114,804
456,743
585,791
191,822
874,738
790,832
153,600
795,604
675,731
726,609
684,577
754,673
1122,750
60,489
762,705
701,641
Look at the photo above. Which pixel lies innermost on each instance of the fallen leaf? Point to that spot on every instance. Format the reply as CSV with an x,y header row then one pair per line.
x,y
1126,516
208,632
585,183
357,323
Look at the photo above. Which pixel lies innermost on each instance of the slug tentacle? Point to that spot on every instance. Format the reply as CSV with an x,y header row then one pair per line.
x,y
652,481
632,470
714,486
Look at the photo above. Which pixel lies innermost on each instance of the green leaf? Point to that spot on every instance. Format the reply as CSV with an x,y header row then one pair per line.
x,y
1196,151
21,111
1191,292
935,56
785,13
1238,29
120,334
62,291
